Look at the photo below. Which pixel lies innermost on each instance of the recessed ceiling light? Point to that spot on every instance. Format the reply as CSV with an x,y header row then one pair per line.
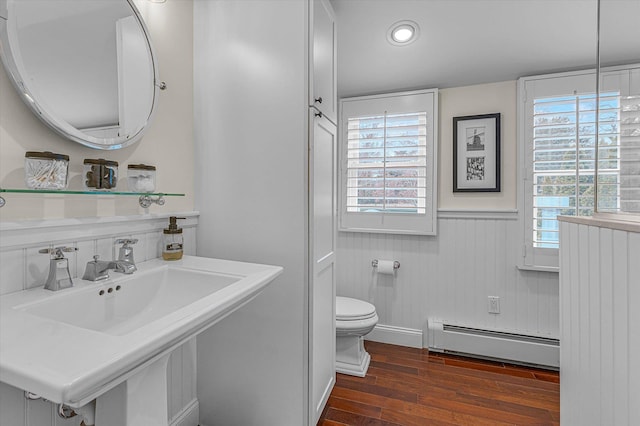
x,y
403,32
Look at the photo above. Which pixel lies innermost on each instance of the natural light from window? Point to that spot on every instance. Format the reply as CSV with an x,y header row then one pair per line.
x,y
386,163
564,157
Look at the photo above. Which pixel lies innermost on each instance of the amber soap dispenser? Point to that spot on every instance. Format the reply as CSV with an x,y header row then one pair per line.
x,y
172,240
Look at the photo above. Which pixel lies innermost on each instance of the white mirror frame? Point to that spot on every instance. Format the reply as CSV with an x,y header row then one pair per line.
x,y
60,126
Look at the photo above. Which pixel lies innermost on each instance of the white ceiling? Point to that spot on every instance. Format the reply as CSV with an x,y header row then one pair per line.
x,y
465,42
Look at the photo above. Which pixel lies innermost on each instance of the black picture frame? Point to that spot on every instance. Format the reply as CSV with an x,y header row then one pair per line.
x,y
476,153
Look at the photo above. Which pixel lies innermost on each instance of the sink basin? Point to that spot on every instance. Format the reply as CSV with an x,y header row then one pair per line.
x,y
90,344
134,302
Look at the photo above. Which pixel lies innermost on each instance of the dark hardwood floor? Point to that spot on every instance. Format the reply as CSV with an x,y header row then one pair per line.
x,y
408,386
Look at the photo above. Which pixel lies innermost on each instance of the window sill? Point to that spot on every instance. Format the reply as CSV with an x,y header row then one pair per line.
x,y
553,269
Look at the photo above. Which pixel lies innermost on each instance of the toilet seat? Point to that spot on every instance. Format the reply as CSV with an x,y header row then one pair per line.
x,y
348,309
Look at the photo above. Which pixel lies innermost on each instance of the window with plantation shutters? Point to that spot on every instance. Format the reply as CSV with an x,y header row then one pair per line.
x,y
388,163
564,158
557,137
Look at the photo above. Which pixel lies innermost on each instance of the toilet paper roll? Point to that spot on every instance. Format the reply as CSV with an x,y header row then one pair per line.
x,y
385,267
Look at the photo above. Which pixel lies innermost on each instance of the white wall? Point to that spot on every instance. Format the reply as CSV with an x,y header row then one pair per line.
x,y
251,150
474,255
168,143
473,100
600,292
449,277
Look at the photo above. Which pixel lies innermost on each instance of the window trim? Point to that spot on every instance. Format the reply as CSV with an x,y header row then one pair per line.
x,y
392,223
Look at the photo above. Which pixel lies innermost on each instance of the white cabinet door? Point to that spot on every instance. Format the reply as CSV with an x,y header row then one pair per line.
x,y
323,91
322,244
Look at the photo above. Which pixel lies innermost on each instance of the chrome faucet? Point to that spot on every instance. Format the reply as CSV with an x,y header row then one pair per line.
x,y
126,251
59,276
98,270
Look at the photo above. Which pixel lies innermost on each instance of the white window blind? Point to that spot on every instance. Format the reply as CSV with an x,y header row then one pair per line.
x,y
628,143
388,163
557,137
564,155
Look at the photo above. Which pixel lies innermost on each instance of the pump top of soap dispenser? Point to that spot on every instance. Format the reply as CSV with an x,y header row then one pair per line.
x,y
173,226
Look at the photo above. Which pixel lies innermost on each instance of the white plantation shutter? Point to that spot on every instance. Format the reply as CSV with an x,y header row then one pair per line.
x,y
627,144
388,163
564,135
557,121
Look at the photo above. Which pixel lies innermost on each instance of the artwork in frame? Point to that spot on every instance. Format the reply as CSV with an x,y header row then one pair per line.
x,y
476,153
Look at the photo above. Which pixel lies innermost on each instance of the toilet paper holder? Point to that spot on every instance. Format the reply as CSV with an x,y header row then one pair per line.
x,y
396,264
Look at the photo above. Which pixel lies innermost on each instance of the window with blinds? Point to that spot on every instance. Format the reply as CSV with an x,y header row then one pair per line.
x,y
628,140
557,130
564,158
386,163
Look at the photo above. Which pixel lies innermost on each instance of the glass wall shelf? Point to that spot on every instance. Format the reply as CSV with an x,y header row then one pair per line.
x,y
144,199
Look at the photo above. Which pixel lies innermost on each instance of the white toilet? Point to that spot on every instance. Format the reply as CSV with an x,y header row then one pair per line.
x,y
354,319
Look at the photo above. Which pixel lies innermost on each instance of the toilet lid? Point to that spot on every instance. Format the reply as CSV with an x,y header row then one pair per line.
x,y
353,309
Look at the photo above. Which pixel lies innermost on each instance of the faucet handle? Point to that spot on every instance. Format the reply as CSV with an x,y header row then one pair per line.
x,y
57,252
59,276
126,251
126,241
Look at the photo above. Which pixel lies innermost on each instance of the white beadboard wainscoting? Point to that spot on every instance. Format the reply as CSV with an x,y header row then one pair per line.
x,y
449,277
600,322
22,267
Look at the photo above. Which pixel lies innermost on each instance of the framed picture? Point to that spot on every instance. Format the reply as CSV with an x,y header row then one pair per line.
x,y
476,153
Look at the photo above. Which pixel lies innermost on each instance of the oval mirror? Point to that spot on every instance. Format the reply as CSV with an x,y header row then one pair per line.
x,y
86,68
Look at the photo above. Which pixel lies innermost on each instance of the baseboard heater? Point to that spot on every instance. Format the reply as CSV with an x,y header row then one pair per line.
x,y
496,345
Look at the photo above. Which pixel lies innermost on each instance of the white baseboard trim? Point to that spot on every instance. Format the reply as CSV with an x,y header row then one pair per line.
x,y
188,416
396,336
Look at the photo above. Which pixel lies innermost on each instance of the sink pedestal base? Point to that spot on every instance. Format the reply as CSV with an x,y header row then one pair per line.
x,y
141,400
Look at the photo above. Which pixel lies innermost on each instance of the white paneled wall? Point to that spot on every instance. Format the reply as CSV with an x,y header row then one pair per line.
x,y
600,324
22,267
450,276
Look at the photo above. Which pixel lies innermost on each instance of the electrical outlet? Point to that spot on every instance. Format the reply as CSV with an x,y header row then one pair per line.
x,y
494,304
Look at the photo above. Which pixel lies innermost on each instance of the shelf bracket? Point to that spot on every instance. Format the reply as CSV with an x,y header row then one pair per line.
x,y
146,200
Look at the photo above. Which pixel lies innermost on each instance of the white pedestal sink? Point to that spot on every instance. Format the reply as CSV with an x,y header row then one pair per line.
x,y
110,342
141,400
